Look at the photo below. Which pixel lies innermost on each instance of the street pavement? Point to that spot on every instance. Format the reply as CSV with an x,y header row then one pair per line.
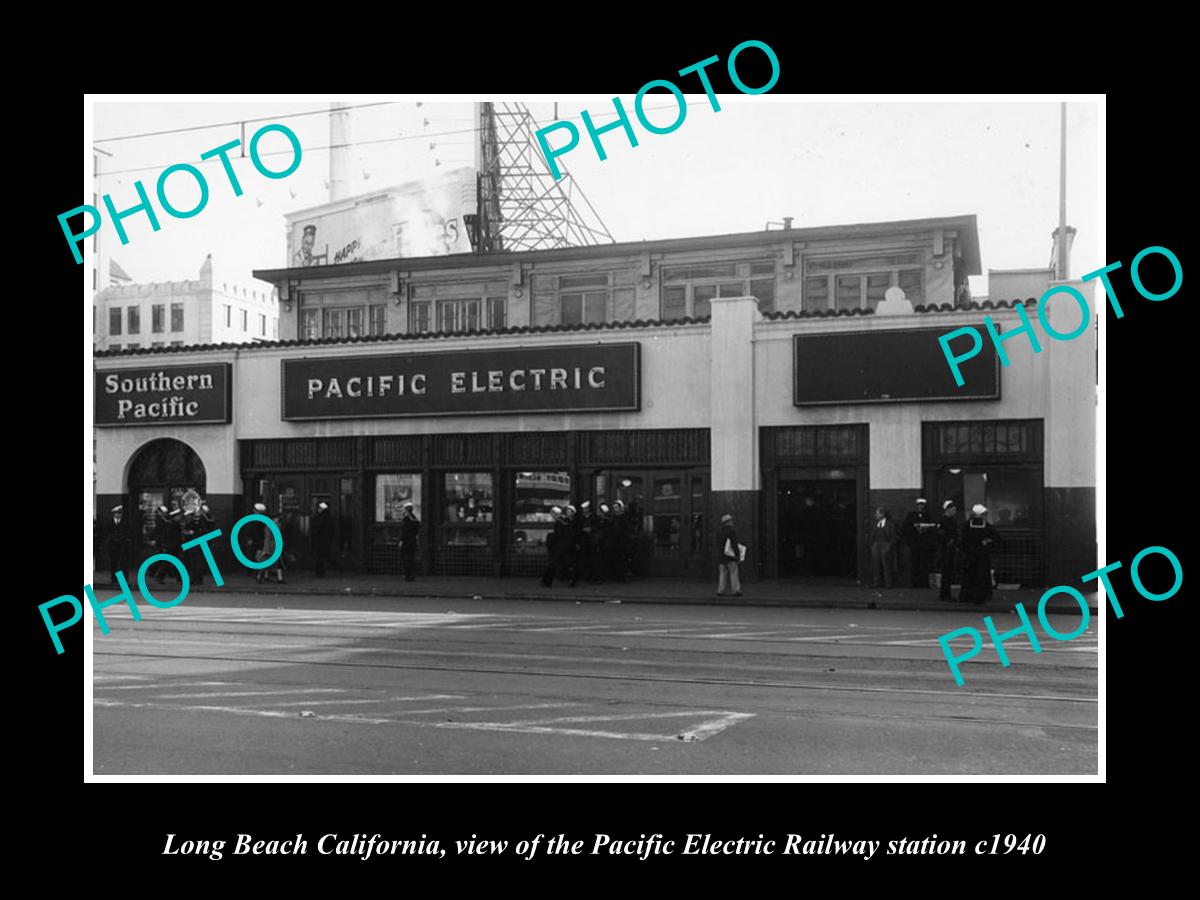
x,y
813,593
237,683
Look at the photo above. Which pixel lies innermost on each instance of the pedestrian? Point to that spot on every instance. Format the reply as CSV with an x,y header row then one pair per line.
x,y
116,543
604,541
568,550
728,557
321,532
199,523
918,535
167,538
589,565
410,528
883,549
254,534
618,543
978,538
271,547
559,535
947,543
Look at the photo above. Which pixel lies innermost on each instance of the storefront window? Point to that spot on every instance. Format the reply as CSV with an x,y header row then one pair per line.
x,y
668,513
1010,494
534,494
392,492
468,503
698,502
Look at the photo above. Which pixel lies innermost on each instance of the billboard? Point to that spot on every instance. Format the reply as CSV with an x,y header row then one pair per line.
x,y
888,367
589,378
421,218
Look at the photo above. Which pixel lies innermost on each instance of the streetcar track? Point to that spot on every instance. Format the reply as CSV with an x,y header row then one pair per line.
x,y
385,640
651,679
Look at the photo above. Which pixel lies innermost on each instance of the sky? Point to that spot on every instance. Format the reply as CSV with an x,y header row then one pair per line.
x,y
758,159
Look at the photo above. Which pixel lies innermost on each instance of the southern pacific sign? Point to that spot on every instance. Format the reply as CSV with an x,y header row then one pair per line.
x,y
164,395
592,378
890,366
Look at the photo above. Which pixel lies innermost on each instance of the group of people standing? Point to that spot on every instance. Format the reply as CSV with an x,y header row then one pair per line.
x,y
173,527
590,544
955,550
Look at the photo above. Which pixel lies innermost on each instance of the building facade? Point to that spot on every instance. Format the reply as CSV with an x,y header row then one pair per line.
x,y
754,374
212,309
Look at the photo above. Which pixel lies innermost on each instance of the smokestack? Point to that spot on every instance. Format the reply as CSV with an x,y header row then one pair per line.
x,y
339,151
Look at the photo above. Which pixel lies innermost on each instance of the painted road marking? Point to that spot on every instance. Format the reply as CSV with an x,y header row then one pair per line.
x,y
252,693
699,732
716,721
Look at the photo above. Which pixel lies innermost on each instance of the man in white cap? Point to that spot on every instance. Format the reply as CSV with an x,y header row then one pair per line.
x,y
410,529
321,532
947,542
978,538
254,536
918,535
116,542
588,529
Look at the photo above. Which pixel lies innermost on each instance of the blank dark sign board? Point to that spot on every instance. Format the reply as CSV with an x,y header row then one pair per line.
x,y
890,367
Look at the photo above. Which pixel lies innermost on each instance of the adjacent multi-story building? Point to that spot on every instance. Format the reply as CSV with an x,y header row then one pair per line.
x,y
212,309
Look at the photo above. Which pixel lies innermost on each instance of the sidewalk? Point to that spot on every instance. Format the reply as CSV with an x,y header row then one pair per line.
x,y
643,590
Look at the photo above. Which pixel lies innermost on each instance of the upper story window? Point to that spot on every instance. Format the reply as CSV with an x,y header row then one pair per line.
x,y
177,317
228,315
860,282
114,320
339,322
158,315
342,314
262,324
134,316
690,290
377,315
583,299
245,320
454,316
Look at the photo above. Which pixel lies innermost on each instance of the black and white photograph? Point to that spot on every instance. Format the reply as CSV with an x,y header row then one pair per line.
x,y
695,433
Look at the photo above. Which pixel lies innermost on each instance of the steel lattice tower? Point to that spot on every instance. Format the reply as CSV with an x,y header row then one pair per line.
x,y
521,206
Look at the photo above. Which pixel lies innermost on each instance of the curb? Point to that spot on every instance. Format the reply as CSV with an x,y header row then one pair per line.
x,y
798,603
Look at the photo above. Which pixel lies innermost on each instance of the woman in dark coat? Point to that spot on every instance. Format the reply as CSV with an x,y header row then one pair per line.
x,y
978,539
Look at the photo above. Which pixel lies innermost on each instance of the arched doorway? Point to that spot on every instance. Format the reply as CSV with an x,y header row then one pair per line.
x,y
164,472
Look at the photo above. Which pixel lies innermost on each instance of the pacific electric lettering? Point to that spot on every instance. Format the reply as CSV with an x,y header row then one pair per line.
x,y
1026,326
493,381
145,206
1026,626
640,111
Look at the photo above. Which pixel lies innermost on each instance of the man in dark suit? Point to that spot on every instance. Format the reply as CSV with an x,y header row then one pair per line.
x,y
410,528
947,539
322,537
918,535
116,543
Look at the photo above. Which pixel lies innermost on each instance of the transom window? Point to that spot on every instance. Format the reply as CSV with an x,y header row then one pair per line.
x,y
457,315
341,321
690,290
860,282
